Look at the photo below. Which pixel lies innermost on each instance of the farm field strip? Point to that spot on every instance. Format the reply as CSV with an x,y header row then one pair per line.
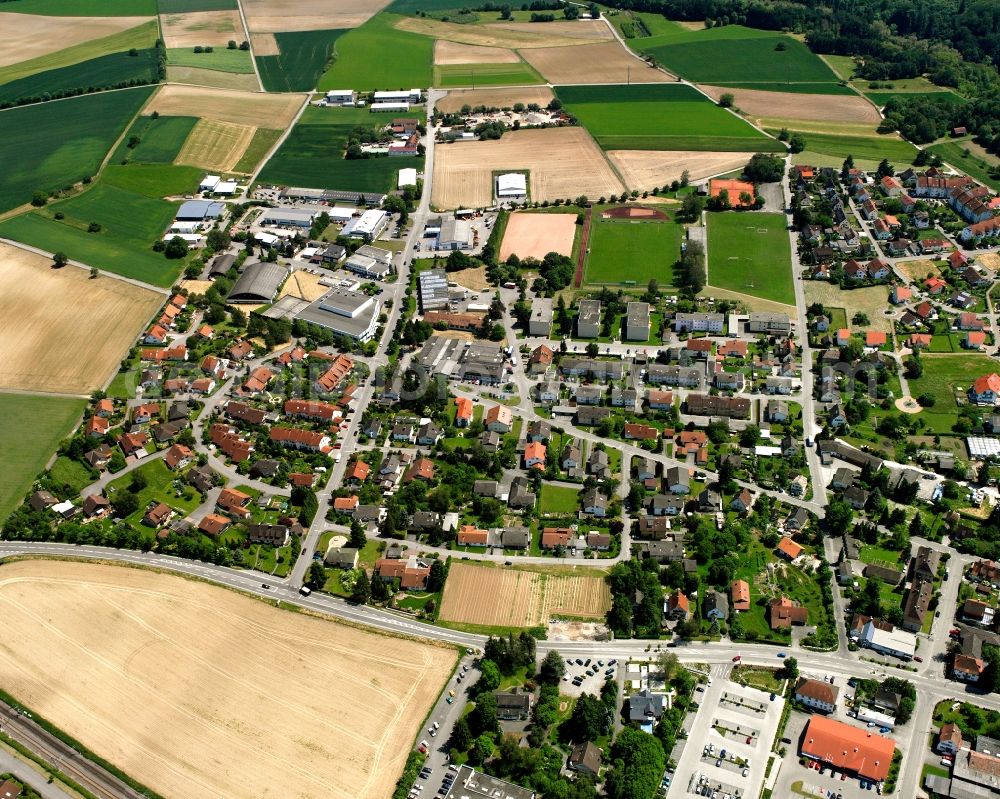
x,y
392,57
160,140
298,60
213,79
526,35
278,16
868,148
27,39
791,105
449,53
485,75
112,656
87,8
602,62
220,60
216,145
751,253
204,28
643,170
241,108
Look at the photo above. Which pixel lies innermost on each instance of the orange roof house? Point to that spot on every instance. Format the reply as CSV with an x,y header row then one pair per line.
x,y
739,593
875,338
917,340
789,548
734,188
213,524
471,536
422,468
345,504
178,455
359,471
463,412
553,537
848,748
534,455
783,613
411,573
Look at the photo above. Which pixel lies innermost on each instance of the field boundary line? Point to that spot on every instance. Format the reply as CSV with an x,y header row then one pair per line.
x,y
581,256
246,31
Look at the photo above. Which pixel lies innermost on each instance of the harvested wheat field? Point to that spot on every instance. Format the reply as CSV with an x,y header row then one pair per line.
x,y
647,169
264,44
222,105
61,331
844,108
214,28
275,16
493,35
214,145
446,53
504,97
528,598
536,235
564,162
605,62
27,36
214,78
198,691
586,29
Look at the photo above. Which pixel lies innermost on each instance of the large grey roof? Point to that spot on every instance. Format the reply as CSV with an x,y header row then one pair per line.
x,y
258,283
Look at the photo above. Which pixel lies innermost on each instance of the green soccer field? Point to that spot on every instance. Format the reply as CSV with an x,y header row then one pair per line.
x,y
626,250
750,253
663,116
31,427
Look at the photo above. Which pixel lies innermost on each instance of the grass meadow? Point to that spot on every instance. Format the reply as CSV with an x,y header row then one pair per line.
x,y
962,154
304,56
140,37
750,253
53,145
160,140
312,155
943,375
130,223
31,427
263,140
621,249
479,75
558,499
377,56
863,148
184,6
221,59
664,116
153,180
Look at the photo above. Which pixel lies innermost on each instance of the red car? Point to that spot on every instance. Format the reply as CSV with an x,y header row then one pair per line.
x,y
737,659
918,658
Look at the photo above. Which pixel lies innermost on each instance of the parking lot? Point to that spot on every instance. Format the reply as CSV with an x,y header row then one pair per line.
x,y
587,675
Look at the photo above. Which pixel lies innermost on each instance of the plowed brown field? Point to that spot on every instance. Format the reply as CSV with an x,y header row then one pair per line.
x,y
275,16
446,52
646,169
604,62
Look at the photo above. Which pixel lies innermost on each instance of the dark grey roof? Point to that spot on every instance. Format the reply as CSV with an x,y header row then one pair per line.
x,y
258,284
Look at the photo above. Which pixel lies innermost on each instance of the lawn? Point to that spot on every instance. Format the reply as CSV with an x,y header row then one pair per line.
x,y
863,148
31,427
140,37
661,116
221,59
750,253
304,56
961,154
758,677
733,55
881,98
971,719
50,146
391,58
160,139
72,473
478,75
943,376
878,555
130,223
558,500
153,180
312,155
159,488
634,251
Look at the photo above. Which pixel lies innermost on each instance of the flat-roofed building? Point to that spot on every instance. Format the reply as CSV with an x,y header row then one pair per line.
x,y
432,287
456,234
289,217
699,322
637,321
512,186
588,319
775,324
346,313
540,322
368,226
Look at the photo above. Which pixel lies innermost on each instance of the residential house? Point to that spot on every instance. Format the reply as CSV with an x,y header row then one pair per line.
x,y
817,694
678,607
715,606
678,480
739,593
499,419
585,758
783,613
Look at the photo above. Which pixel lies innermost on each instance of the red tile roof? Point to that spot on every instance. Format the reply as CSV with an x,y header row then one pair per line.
x,y
848,748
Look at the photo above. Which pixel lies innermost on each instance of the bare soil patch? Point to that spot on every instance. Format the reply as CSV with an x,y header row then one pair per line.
x,y
61,331
504,97
536,235
526,599
918,271
110,654
304,285
988,260
275,16
563,162
647,169
214,28
196,286
872,300
472,279
494,35
446,52
196,76
27,36
844,108
604,62
222,105
264,44
215,145
632,212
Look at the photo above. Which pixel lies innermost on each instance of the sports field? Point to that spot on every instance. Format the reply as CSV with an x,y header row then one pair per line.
x,y
107,654
31,427
667,116
562,162
301,58
493,597
536,235
130,223
160,140
391,58
750,253
75,339
49,146
461,75
622,249
312,155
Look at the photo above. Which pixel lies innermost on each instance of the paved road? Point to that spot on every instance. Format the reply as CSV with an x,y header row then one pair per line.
x,y
27,774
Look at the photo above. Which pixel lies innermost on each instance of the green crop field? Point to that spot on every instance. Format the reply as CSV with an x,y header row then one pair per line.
x,y
185,6
377,56
86,8
112,71
943,375
750,253
429,6
49,146
792,87
160,140
454,75
304,56
31,427
867,148
312,155
153,180
959,154
621,249
662,116
221,59
140,37
263,140
130,223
